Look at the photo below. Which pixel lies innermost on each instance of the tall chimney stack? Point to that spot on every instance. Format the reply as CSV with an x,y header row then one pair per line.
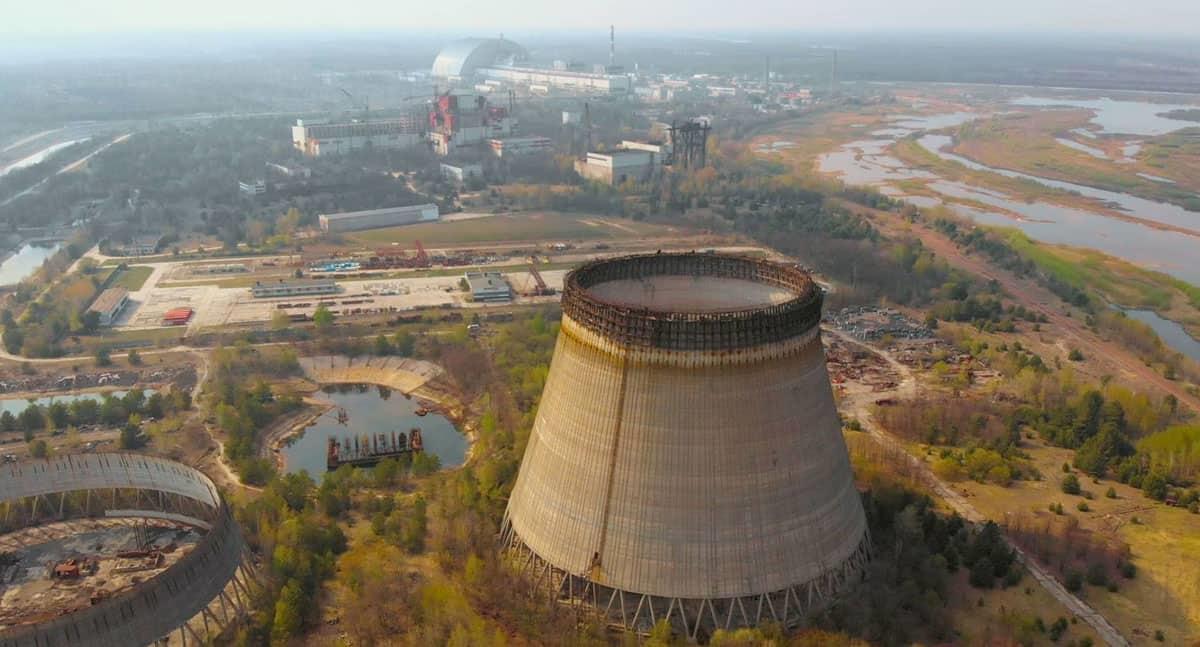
x,y
612,45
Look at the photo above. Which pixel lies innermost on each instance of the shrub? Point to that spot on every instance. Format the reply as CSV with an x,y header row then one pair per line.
x,y
1082,506
1128,570
1097,575
1155,486
1070,484
1058,629
1159,635
1111,492
1012,577
1075,355
983,574
1073,581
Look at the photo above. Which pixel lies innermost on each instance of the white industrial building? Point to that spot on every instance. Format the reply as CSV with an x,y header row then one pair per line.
x,y
661,150
618,166
461,172
488,286
467,138
290,171
256,187
516,146
109,305
324,138
293,288
140,246
590,82
376,218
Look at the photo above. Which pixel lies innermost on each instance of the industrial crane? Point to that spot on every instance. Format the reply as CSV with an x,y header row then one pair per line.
x,y
541,288
421,259
365,107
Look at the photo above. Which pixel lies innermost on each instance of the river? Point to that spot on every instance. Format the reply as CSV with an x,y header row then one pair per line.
x,y
1171,333
867,162
1120,117
25,262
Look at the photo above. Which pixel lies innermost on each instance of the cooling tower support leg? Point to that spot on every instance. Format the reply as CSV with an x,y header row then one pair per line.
x,y
695,618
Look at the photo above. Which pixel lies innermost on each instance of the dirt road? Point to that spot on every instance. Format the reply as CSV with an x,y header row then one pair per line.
x,y
858,404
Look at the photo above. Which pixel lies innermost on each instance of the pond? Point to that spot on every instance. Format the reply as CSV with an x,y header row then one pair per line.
x,y
23,263
371,410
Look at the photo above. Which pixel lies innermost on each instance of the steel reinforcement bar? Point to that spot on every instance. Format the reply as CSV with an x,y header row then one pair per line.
x,y
693,331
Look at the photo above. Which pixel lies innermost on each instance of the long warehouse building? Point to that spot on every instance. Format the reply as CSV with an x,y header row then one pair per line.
x,y
299,288
377,218
316,139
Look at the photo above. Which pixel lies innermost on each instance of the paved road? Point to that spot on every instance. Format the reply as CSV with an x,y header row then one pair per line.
x,y
859,406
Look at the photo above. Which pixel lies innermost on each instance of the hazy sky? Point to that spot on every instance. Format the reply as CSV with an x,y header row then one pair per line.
x,y
39,17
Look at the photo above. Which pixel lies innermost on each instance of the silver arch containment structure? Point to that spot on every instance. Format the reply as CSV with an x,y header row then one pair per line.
x,y
687,462
462,57
207,587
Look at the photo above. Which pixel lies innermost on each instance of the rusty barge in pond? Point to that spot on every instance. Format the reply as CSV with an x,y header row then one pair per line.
x,y
369,450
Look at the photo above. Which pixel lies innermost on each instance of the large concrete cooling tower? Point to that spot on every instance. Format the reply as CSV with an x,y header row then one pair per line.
x,y
687,461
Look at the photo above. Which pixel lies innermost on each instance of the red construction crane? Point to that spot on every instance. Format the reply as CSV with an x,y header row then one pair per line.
x,y
422,259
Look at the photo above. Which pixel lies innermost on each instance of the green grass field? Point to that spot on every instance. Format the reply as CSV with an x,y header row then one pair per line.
x,y
1165,542
157,337
132,278
511,228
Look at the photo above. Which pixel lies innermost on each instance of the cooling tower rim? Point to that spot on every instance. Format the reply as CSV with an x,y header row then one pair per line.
x,y
683,329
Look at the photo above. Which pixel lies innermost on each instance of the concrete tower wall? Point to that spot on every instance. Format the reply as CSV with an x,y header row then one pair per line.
x,y
687,447
689,480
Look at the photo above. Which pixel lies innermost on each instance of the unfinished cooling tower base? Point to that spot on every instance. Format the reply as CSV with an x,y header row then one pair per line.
x,y
696,618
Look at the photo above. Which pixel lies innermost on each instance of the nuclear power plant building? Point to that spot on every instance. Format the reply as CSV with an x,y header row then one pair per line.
x,y
499,59
687,461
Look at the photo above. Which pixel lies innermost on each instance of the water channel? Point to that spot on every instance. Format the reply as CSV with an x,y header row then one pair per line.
x,y
25,262
1160,212
1171,333
370,410
16,405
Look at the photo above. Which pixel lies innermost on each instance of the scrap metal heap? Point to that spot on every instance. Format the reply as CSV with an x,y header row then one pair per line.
x,y
687,461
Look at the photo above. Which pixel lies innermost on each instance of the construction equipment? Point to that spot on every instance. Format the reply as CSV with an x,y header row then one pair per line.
x,y
365,106
422,259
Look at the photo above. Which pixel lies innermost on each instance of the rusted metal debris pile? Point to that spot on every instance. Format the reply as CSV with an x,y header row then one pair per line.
x,y
871,323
